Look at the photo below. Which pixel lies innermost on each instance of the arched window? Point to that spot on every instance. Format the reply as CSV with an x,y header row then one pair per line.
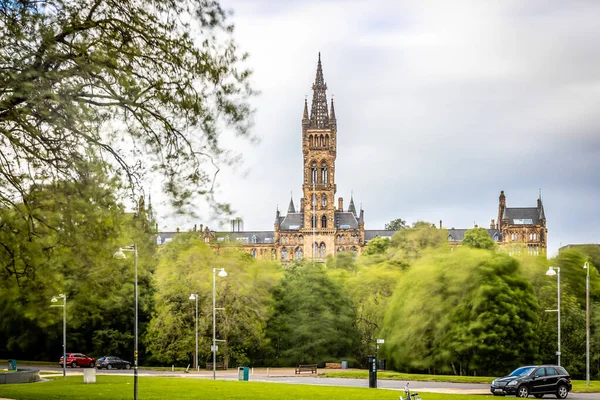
x,y
284,254
512,237
516,236
314,221
315,250
298,253
321,141
340,249
324,173
273,254
324,200
310,141
323,222
322,250
314,200
314,173
343,238
253,239
535,236
253,253
301,240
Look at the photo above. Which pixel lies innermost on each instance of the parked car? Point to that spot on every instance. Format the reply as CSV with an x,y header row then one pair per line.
x,y
537,380
78,360
110,362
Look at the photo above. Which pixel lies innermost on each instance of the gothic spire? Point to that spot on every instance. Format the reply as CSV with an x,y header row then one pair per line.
x,y
332,116
351,207
291,208
305,114
319,116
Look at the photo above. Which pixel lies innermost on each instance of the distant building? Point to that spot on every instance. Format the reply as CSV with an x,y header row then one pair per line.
x,y
317,228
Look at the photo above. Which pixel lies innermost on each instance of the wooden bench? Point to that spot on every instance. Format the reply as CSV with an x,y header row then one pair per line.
x,y
312,368
218,365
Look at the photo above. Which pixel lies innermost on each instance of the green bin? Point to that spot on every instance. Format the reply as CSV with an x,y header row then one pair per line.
x,y
12,365
243,373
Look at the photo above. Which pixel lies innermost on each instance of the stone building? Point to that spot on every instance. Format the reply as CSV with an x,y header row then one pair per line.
x,y
318,226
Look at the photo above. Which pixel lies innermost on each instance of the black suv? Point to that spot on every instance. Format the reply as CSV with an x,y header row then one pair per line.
x,y
537,380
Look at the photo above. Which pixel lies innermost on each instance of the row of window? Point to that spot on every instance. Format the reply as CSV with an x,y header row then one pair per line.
x,y
318,140
514,237
531,250
323,200
319,251
314,172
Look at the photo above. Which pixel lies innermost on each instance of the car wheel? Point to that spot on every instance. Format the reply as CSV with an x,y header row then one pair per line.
x,y
109,366
73,364
562,392
523,392
127,366
538,396
92,364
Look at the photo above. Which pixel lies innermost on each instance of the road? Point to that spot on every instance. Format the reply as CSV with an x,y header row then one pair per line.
x,y
287,376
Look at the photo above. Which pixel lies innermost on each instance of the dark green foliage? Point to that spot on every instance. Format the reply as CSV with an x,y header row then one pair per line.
x,y
378,245
461,312
396,225
313,321
478,238
144,83
410,243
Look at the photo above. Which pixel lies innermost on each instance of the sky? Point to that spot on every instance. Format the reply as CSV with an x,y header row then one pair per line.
x,y
440,105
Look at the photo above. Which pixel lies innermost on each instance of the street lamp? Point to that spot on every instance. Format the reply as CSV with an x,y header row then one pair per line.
x,y
222,273
551,272
195,297
64,307
121,255
586,265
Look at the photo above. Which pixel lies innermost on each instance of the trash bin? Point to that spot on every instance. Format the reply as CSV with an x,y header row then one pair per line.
x,y
89,375
243,373
381,364
344,364
12,365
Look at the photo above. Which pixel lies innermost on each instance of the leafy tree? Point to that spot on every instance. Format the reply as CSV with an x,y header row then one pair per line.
x,y
411,243
184,267
446,314
478,238
144,83
378,245
313,321
396,225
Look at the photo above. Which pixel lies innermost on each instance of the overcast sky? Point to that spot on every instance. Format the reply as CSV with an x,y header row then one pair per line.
x,y
439,104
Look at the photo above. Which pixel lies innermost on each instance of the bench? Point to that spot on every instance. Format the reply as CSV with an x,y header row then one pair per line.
x,y
312,368
218,365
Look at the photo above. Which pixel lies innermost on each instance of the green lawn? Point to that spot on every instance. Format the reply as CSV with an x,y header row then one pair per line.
x,y
161,388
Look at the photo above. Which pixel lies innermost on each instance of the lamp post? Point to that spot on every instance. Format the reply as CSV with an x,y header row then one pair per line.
x,y
64,307
194,296
121,255
586,265
551,272
222,273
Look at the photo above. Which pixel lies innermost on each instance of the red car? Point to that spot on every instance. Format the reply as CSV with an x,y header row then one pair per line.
x,y
78,360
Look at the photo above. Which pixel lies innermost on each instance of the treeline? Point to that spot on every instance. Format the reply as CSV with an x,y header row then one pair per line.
x,y
467,310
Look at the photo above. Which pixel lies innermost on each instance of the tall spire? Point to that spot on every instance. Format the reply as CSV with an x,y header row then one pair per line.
x,y
319,116
305,114
351,207
332,116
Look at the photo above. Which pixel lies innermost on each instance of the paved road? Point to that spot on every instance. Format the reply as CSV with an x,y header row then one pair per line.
x,y
288,376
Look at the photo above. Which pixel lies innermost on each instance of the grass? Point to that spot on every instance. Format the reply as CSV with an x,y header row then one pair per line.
x,y
578,385
160,388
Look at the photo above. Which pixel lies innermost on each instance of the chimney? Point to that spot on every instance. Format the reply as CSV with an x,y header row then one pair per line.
x,y
440,224
340,204
492,224
539,204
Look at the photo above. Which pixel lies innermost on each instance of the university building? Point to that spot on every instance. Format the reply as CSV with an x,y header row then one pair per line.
x,y
318,226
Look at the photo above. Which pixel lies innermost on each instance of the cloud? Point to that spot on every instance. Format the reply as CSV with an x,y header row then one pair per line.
x,y
440,105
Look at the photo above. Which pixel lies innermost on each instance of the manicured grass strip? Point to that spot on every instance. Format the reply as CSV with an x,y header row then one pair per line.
x,y
160,388
411,377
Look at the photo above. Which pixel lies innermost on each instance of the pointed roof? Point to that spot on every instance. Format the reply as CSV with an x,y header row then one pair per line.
x,y
319,115
277,217
305,114
361,219
291,208
332,116
351,207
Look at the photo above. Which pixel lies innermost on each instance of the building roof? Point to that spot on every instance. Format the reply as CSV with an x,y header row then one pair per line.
x,y
457,235
246,237
292,222
373,233
523,215
345,220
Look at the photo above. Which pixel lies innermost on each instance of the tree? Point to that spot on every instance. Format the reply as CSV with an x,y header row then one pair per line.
x,y
378,245
413,241
478,238
396,225
462,311
313,320
146,84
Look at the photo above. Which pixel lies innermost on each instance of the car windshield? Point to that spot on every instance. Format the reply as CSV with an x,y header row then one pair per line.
x,y
523,371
